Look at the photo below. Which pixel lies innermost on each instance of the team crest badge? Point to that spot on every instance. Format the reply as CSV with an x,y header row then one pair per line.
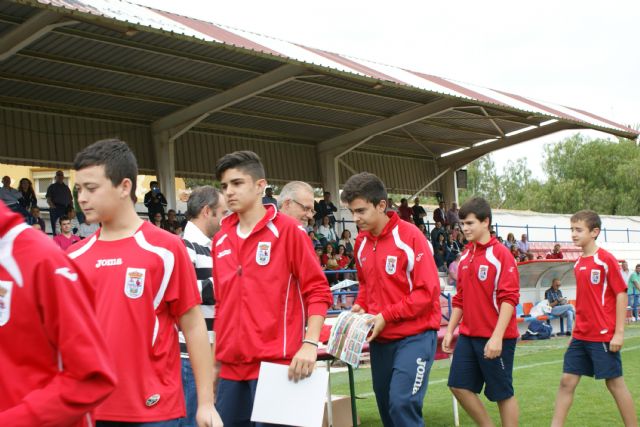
x,y
134,282
5,301
595,277
483,272
263,253
390,266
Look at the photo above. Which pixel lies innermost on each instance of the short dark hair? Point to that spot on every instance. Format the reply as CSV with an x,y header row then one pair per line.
x,y
117,158
63,218
477,206
246,161
201,197
590,218
365,186
152,183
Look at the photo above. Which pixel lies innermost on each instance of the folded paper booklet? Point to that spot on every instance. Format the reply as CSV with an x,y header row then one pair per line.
x,y
348,336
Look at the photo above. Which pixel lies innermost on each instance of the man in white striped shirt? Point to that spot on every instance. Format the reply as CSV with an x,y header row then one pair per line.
x,y
205,209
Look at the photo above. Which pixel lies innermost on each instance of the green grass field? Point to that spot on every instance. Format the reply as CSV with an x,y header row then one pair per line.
x,y
537,371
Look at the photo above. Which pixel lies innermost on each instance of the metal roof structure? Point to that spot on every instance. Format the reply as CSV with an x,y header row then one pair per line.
x,y
183,92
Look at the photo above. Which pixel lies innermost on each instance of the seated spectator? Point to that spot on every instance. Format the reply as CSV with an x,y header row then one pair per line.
x,y
455,231
435,232
529,256
319,254
539,257
404,211
500,239
423,229
453,270
523,246
511,241
347,242
65,238
310,224
441,243
157,220
172,223
342,258
10,196
87,229
29,199
560,307
329,259
327,231
440,259
315,240
35,218
458,244
556,254
75,225
515,253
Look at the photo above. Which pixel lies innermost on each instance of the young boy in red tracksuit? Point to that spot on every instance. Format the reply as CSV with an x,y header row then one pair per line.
x,y
268,285
488,291
399,285
601,308
55,364
145,288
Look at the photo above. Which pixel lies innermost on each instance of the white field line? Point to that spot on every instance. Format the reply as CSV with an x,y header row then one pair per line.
x,y
517,368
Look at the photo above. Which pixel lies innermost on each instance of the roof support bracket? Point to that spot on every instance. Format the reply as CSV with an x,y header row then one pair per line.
x,y
29,31
179,122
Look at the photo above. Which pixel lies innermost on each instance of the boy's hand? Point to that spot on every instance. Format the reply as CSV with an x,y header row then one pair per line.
x,y
303,363
357,309
207,416
378,325
493,348
616,342
446,343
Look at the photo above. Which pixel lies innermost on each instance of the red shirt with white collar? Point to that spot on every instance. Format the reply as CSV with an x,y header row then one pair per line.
x,y
598,281
487,277
267,285
398,278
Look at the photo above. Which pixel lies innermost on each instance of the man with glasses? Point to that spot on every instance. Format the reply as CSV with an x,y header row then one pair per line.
x,y
59,199
296,201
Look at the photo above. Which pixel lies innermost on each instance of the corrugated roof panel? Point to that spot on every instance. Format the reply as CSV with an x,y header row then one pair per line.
x,y
246,123
304,112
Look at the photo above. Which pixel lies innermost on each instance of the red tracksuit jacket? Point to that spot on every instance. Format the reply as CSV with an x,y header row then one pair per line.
x,y
487,277
398,278
266,285
55,367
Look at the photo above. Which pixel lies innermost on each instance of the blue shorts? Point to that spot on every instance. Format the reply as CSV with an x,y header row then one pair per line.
x,y
592,359
471,371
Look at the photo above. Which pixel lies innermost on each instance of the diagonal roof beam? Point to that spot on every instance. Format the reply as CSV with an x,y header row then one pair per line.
x,y
29,31
394,122
182,120
464,157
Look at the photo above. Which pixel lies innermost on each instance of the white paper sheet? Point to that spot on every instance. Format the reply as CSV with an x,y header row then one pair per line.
x,y
280,401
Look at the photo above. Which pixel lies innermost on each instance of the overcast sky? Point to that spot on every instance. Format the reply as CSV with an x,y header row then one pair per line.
x,y
582,54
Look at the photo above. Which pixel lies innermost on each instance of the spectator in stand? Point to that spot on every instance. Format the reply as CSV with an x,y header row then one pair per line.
x,y
327,231
35,218
342,257
423,229
319,255
85,230
452,218
310,224
439,214
455,231
624,270
437,230
560,306
500,240
523,246
29,199
457,246
10,196
59,199
391,207
440,259
172,224
155,201
157,220
314,239
556,254
268,198
511,241
633,293
453,270
296,201
326,208
329,258
418,212
404,211
66,238
75,225
516,254
347,242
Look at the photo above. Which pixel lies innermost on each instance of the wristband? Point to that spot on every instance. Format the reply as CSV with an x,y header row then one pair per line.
x,y
310,342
